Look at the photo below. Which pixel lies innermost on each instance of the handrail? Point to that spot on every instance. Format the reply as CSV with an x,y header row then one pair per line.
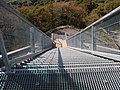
x,y
93,36
99,20
32,42
15,12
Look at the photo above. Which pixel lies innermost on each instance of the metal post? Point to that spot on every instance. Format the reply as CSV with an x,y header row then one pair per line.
x,y
32,39
42,42
81,41
93,47
119,36
72,42
78,42
4,54
75,41
65,36
52,36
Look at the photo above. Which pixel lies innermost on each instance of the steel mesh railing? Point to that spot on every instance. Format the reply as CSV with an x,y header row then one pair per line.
x,y
21,38
103,35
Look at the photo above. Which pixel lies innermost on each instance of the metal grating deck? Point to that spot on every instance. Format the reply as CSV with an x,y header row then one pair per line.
x,y
63,69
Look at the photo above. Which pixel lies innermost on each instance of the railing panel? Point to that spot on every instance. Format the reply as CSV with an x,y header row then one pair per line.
x,y
102,35
87,39
108,34
21,38
16,33
41,41
78,41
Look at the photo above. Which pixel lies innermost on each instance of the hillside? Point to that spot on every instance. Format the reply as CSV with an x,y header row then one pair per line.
x,y
17,3
46,14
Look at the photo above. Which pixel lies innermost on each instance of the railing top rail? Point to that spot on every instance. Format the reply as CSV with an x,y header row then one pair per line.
x,y
99,20
16,13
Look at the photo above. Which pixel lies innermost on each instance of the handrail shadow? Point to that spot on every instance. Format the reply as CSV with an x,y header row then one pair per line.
x,y
65,75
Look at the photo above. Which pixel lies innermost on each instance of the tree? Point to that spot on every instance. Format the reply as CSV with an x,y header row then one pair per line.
x,y
111,5
52,15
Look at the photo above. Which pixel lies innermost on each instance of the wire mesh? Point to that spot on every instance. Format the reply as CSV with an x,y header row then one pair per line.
x,y
60,74
87,39
16,33
103,35
41,41
108,34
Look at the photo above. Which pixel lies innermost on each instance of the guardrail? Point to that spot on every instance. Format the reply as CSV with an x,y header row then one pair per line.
x,y
102,35
19,39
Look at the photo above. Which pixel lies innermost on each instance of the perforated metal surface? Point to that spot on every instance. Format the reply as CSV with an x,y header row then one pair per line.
x,y
63,69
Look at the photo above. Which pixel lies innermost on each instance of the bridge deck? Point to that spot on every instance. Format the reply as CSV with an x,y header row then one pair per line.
x,y
63,69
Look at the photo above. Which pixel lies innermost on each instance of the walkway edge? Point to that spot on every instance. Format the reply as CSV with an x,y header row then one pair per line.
x,y
101,54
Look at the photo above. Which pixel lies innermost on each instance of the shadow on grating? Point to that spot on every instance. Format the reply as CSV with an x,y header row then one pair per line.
x,y
75,78
65,75
40,79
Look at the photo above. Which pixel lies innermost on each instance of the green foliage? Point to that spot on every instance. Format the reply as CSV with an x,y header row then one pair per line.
x,y
79,1
33,1
111,5
53,15
46,14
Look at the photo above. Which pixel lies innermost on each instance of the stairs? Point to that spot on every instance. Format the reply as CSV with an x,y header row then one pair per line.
x,y
63,69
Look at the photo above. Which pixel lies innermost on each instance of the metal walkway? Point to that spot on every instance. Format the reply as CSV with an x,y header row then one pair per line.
x,y
29,62
63,69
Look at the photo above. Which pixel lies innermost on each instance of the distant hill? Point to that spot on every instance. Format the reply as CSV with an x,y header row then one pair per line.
x,y
46,14
17,3
70,30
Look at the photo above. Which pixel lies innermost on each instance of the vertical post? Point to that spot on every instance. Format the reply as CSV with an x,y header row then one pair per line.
x,y
43,45
119,35
32,39
119,40
4,54
72,42
65,36
81,41
75,41
93,47
52,36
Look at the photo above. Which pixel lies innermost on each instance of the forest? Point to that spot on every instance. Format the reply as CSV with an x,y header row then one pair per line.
x,y
49,14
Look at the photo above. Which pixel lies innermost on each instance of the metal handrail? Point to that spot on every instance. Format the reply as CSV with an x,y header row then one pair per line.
x,y
111,25
16,13
31,28
99,20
